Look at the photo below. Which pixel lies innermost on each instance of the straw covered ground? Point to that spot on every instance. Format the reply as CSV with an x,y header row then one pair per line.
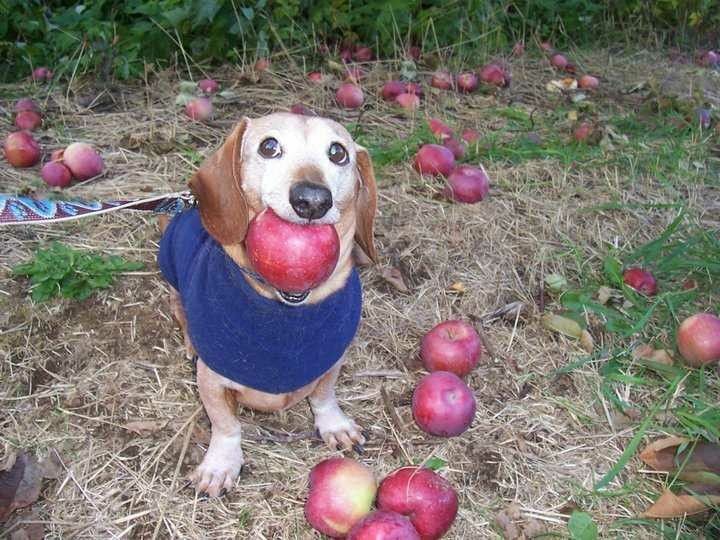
x,y
103,388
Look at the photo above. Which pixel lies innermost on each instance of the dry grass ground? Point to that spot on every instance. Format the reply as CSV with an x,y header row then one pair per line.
x,y
104,382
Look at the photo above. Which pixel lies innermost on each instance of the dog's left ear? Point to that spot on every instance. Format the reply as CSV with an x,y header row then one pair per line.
x,y
217,185
366,204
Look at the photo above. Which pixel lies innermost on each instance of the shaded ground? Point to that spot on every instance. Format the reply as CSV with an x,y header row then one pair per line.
x,y
79,376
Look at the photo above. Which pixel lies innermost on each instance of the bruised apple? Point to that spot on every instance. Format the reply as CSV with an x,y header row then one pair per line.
x,y
467,82
439,128
21,149
341,493
467,184
83,160
434,160
495,75
199,109
392,89
698,339
409,102
383,525
349,96
56,174
29,120
291,257
443,405
442,79
208,86
424,496
640,280
451,346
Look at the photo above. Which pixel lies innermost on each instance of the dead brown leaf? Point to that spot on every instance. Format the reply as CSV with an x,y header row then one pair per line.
x,y
647,352
19,485
514,527
394,277
145,427
51,466
457,287
670,505
656,454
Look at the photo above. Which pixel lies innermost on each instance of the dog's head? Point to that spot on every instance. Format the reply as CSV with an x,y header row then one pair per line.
x,y
307,169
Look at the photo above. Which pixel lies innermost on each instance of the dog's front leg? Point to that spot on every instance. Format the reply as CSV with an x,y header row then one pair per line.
x,y
335,428
224,458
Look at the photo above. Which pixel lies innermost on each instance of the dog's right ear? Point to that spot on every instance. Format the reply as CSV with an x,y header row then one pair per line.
x,y
217,186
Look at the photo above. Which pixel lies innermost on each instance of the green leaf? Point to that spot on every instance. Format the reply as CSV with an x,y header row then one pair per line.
x,y
435,463
613,270
582,527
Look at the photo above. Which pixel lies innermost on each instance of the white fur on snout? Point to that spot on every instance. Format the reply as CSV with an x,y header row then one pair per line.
x,y
305,142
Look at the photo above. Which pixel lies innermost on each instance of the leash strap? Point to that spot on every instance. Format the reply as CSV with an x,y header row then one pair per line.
x,y
29,211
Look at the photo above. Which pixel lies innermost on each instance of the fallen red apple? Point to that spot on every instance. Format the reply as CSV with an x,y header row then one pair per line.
x,y
640,280
414,88
582,132
442,79
470,136
199,109
409,102
495,75
56,174
392,89
21,150
83,160
570,68
42,74
439,128
341,493
291,257
456,147
546,46
383,525
588,82
262,64
698,339
452,346
299,108
559,61
424,496
26,104
363,54
518,49
467,82
434,160
29,120
467,184
208,86
349,96
316,76
443,405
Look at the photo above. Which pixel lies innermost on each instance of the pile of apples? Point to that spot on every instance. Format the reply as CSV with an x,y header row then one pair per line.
x,y
413,503
465,183
698,336
79,160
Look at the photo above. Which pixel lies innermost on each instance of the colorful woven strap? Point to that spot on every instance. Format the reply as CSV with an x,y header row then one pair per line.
x,y
28,211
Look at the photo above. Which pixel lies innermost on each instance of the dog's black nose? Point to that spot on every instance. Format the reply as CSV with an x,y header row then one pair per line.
x,y
310,200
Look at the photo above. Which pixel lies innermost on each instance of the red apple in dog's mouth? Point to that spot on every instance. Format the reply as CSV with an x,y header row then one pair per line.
x,y
291,257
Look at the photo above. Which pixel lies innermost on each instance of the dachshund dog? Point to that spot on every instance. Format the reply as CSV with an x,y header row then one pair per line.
x,y
257,346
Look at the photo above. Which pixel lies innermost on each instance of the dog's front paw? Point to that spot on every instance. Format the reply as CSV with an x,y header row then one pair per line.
x,y
337,430
220,467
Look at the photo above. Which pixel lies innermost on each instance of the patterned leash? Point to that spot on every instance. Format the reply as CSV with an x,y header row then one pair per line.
x,y
29,211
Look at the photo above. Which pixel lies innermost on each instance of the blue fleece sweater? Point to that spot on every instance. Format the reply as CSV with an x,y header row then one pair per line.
x,y
257,342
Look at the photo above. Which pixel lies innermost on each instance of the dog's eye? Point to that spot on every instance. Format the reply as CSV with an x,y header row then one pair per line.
x,y
270,148
338,155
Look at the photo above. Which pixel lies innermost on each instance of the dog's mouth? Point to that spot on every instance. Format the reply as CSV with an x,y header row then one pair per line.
x,y
294,298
